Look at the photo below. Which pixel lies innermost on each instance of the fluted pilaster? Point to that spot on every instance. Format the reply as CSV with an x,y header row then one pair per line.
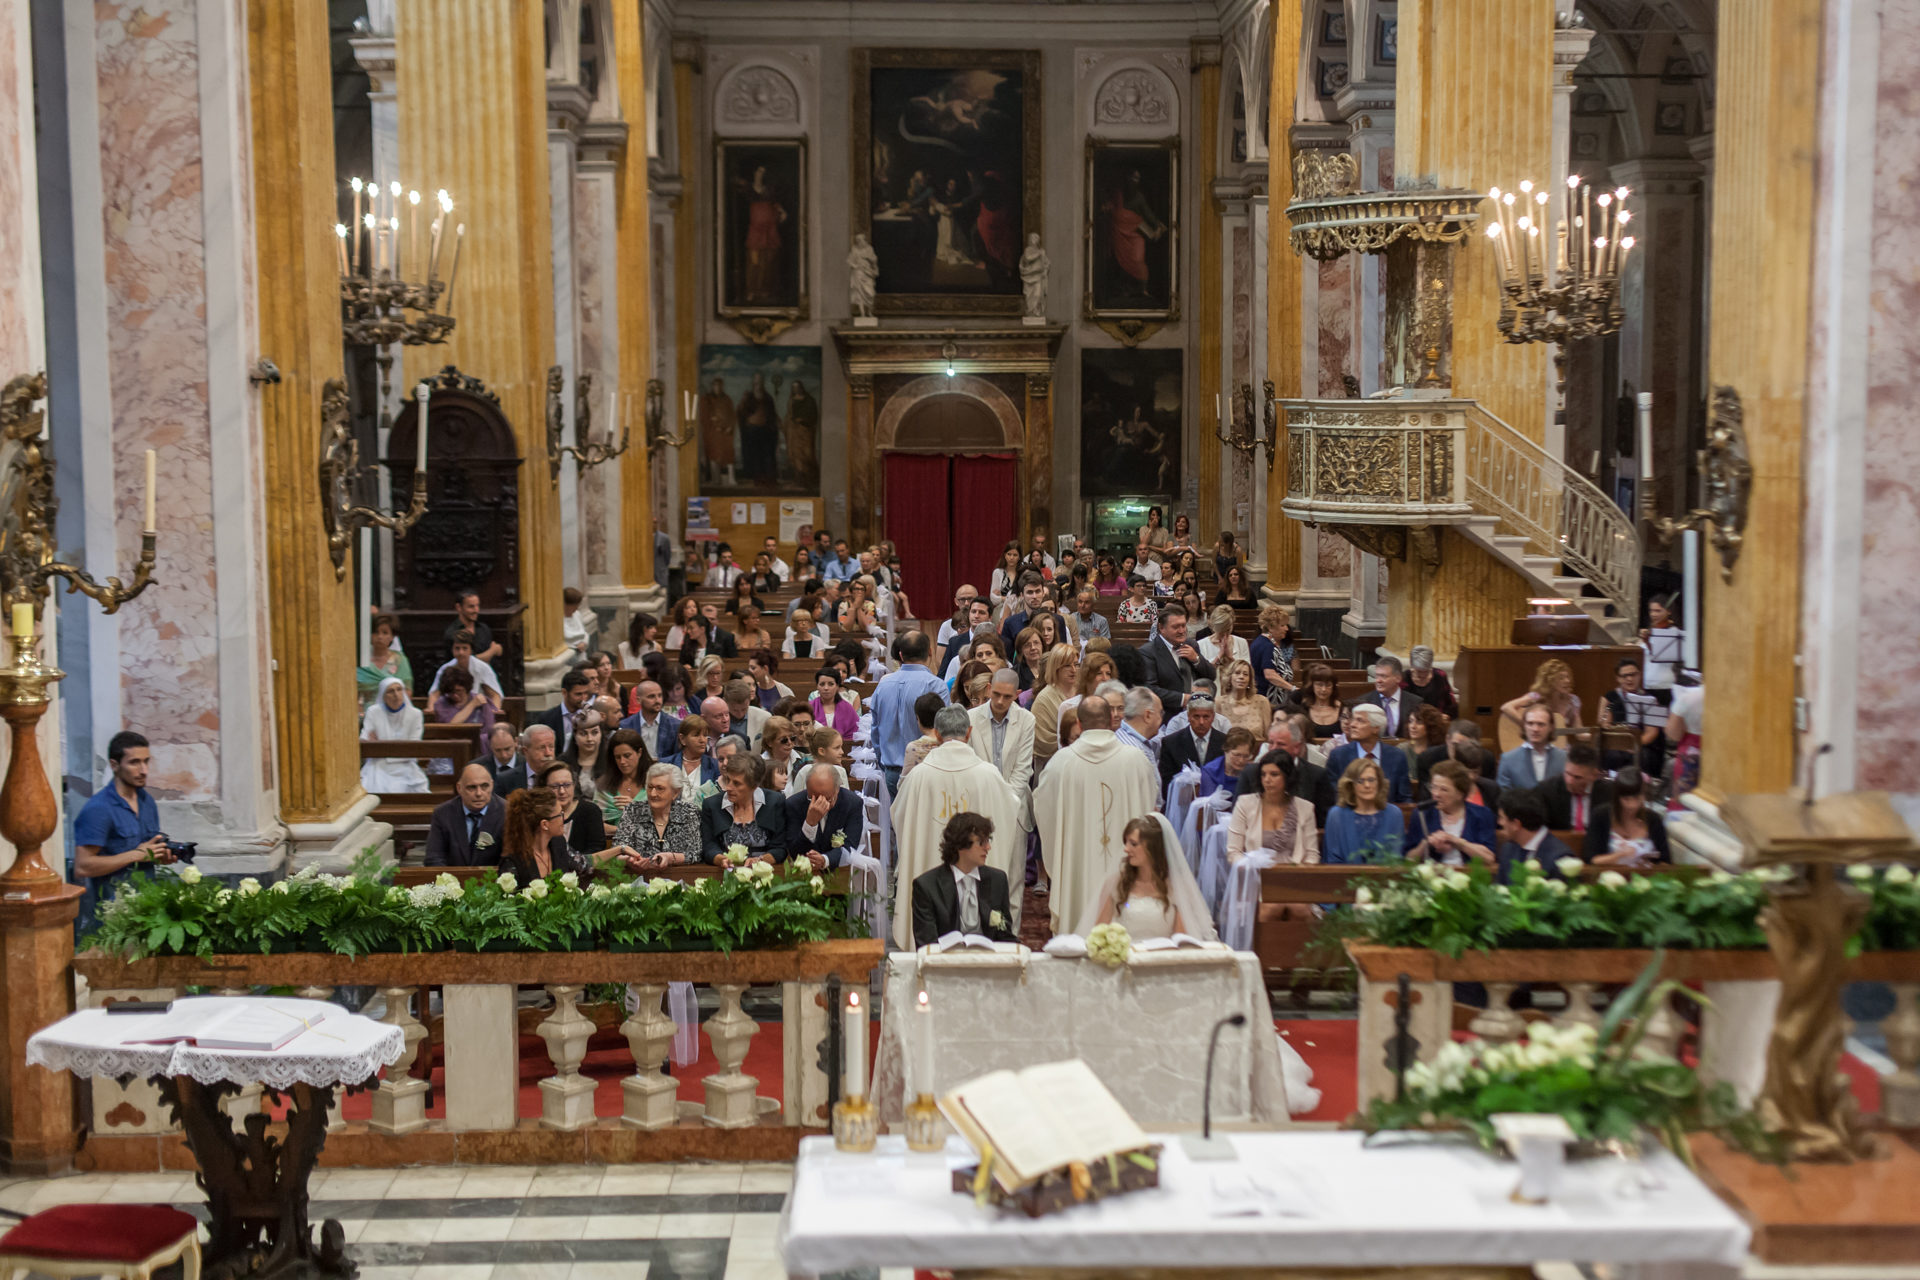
x,y
1207,304
1475,111
473,119
312,642
633,235
1284,320
686,284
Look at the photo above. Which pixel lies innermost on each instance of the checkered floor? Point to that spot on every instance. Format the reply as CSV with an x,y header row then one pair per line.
x,y
498,1222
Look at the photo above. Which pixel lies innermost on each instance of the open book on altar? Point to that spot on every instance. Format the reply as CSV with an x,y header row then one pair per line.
x,y
225,1023
1041,1120
957,941
1177,942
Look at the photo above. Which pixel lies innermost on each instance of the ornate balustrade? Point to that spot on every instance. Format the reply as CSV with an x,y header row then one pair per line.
x,y
481,1039
1741,988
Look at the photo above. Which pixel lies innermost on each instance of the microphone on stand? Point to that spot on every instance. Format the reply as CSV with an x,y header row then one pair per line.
x,y
1206,1146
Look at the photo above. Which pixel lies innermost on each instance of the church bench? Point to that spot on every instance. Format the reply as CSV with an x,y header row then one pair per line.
x,y
406,875
459,750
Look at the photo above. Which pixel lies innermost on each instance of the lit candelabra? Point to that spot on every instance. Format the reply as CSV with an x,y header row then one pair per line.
x,y
28,509
657,437
586,451
390,285
1567,285
1237,432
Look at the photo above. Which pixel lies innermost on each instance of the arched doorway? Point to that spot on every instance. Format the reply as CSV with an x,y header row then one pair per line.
x,y
952,480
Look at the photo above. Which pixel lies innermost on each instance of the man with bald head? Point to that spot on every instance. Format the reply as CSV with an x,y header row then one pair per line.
x,y
826,824
719,719
1002,735
1088,793
465,831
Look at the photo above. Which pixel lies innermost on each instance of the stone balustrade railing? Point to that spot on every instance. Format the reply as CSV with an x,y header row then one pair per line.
x,y
1741,989
481,1044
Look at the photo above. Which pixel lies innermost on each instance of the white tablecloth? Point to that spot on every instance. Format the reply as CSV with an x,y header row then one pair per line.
x,y
1390,1206
342,1048
1143,1029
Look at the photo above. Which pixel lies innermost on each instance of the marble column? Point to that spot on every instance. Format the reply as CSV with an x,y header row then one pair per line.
x,y
313,639
1257,356
473,119
1658,295
634,233
689,62
1569,50
375,54
1369,110
1763,229
566,111
1474,110
1210,407
1284,318
596,251
184,299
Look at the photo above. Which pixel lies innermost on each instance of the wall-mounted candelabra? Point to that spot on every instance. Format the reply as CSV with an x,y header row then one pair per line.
x,y
379,252
1238,431
1567,286
657,437
28,816
342,477
585,451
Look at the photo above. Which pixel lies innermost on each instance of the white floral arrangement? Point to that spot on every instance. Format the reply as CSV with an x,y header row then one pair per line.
x,y
1110,945
1461,1064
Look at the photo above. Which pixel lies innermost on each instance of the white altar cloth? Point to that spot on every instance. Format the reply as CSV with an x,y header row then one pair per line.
x,y
1142,1029
1390,1206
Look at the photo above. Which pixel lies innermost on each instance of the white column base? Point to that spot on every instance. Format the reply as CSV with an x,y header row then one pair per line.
x,y
651,598
543,680
333,846
482,1057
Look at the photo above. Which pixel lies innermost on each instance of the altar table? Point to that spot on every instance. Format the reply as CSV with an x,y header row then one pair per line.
x,y
1143,1029
1423,1209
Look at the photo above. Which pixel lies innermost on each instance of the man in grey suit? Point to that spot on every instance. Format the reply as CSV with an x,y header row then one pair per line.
x,y
1536,760
1173,664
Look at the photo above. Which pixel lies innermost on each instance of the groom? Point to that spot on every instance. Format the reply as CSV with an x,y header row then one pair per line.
x,y
963,894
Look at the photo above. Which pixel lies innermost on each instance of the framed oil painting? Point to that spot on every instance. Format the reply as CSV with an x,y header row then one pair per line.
x,y
1133,230
758,419
946,173
760,234
1131,405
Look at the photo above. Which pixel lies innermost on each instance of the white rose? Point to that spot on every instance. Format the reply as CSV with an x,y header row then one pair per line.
x,y
570,881
1569,866
744,873
1899,873
816,884
507,883
249,887
190,874
1553,886
223,897
447,880
307,872
738,852
1458,880
1363,895
599,892
763,871
659,884
1859,871
1612,880
282,886
1643,884
1719,877
535,891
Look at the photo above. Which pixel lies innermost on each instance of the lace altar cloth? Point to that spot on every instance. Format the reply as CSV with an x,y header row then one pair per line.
x,y
341,1048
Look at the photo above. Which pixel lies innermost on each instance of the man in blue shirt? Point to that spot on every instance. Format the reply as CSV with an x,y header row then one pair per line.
x,y
118,828
840,568
894,723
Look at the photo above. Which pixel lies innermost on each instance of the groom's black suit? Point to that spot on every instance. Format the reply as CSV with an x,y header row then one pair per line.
x,y
936,905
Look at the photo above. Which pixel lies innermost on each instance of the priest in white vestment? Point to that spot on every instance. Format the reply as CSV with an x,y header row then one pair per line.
x,y
952,779
1003,737
1088,793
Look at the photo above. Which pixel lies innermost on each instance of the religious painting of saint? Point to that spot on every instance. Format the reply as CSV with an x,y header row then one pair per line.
x,y
1131,404
946,169
1133,245
757,419
761,228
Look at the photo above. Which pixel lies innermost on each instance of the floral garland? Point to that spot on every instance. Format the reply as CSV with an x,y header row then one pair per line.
x,y
1453,911
188,913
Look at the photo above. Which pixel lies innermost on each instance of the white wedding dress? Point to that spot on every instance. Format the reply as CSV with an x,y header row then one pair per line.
x,y
1146,918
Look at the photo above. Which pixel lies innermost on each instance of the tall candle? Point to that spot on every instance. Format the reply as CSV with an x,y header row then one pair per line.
x,y
22,619
1586,224
923,1045
340,236
1644,400
366,595
413,226
393,246
421,393
150,525
854,1040
453,273
606,429
354,260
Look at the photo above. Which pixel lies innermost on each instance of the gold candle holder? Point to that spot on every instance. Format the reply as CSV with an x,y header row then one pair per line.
x,y
923,1125
856,1123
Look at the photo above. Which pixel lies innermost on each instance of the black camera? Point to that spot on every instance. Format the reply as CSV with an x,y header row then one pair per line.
x,y
182,850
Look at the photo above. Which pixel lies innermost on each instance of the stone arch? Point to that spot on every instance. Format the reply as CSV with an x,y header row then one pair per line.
x,y
1135,99
996,402
760,98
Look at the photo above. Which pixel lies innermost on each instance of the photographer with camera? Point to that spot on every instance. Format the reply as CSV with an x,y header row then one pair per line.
x,y
119,827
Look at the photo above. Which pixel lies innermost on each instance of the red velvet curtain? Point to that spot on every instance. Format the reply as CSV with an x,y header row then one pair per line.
x,y
984,519
919,523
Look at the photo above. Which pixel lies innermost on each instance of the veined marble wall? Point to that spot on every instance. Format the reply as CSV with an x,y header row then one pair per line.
x,y
21,342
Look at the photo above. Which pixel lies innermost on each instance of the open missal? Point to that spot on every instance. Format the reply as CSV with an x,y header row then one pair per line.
x,y
1042,1120
1176,942
957,941
225,1023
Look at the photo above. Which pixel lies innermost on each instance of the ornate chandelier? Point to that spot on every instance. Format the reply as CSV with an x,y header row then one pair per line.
x,y
1569,288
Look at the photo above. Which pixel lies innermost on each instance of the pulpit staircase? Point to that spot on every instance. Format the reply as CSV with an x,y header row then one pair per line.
x,y
1551,525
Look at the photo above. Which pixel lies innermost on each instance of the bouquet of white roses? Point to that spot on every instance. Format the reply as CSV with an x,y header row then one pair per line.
x,y
1110,945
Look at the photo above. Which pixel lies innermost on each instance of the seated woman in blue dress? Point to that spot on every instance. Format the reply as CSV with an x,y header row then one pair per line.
x,y
1224,769
1447,828
1363,827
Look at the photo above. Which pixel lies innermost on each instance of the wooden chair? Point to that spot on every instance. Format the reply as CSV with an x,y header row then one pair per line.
x,y
128,1240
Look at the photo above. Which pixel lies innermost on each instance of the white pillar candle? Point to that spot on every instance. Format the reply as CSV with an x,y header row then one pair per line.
x,y
150,526
923,1044
854,1042
366,595
421,394
1645,402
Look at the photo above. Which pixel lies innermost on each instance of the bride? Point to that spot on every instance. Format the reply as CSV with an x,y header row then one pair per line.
x,y
1154,896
